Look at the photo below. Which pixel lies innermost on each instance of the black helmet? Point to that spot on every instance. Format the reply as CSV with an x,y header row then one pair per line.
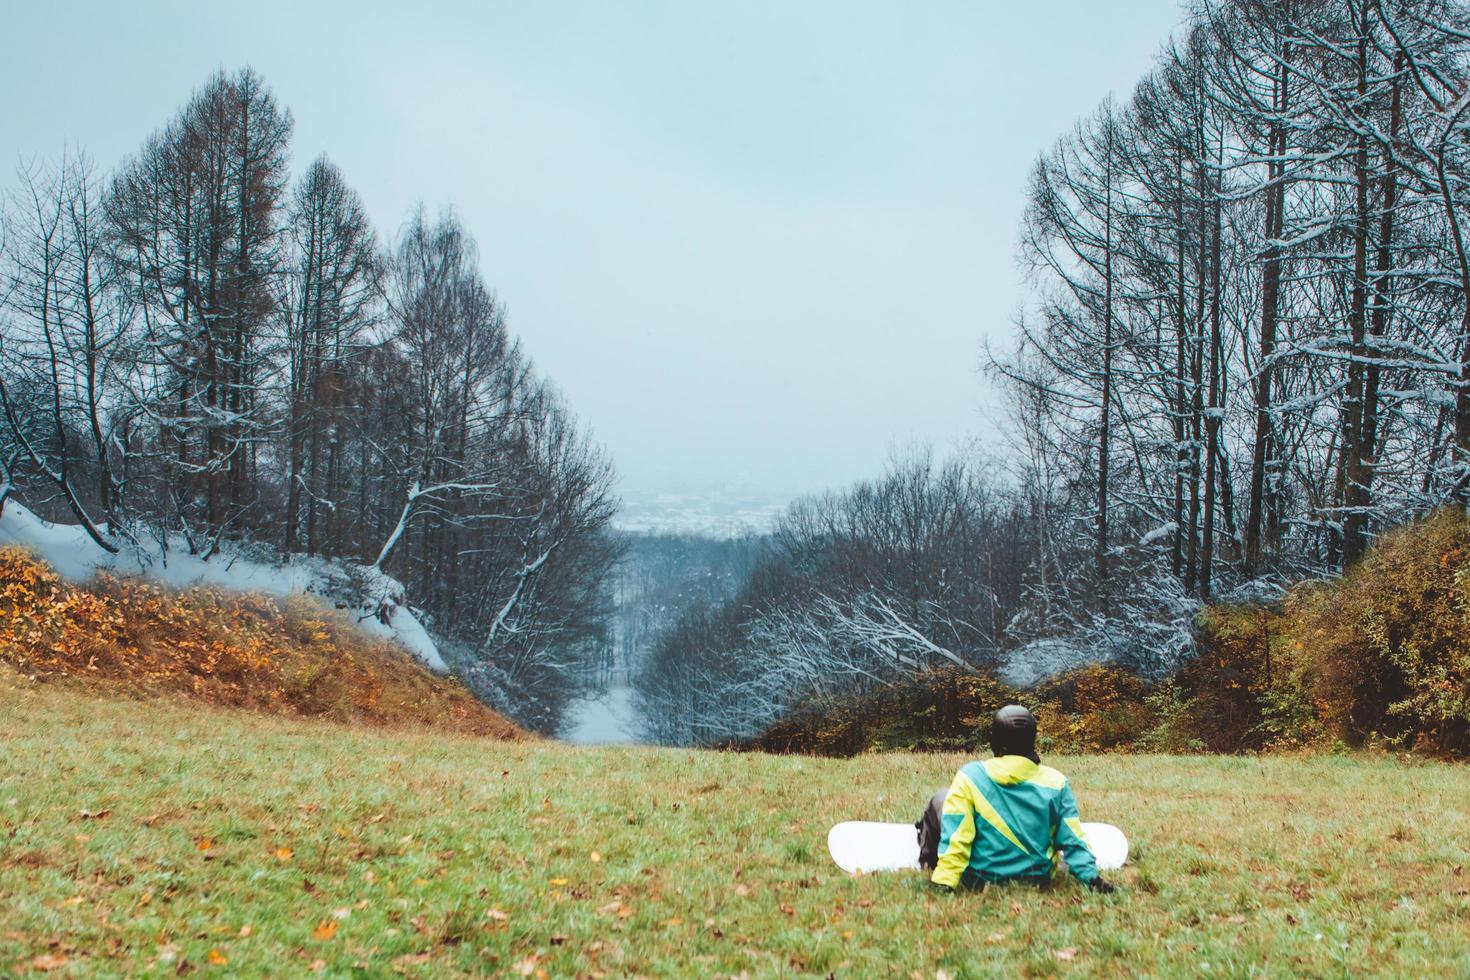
x,y
1013,732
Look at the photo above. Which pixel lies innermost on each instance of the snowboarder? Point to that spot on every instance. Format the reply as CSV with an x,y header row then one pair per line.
x,y
1004,819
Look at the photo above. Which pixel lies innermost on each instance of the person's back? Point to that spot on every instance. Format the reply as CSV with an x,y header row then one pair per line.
x,y
1006,818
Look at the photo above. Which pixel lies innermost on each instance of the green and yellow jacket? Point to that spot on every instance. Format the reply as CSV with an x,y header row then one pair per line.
x,y
1005,819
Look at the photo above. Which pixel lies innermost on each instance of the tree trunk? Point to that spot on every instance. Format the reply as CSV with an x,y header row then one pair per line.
x,y
1353,492
1261,451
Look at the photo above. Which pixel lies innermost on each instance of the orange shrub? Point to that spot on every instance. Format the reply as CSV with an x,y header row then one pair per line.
x,y
232,649
1097,707
1385,651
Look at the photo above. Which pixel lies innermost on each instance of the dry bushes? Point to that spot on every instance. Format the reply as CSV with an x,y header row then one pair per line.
x,y
948,710
943,710
1380,657
224,648
1385,651
1095,708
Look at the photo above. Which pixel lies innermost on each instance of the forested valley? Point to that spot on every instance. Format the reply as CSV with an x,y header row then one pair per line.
x,y
1244,359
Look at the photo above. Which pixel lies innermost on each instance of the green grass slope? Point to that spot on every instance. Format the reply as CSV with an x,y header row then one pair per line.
x,y
163,838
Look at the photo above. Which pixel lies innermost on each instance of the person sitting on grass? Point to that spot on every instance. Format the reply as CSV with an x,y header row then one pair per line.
x,y
1004,819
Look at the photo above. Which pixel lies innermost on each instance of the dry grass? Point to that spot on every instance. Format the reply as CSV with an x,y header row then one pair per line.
x,y
222,648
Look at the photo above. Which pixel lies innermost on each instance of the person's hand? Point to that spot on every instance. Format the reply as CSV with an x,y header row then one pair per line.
x,y
1101,887
935,888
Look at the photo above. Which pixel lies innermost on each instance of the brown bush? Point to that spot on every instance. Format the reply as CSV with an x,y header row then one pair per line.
x,y
1385,651
942,710
1230,676
1098,707
225,648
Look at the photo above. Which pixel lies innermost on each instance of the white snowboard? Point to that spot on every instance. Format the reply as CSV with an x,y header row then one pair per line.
x,y
863,847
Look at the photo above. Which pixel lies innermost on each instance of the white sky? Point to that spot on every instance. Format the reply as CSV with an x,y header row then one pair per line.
x,y
757,244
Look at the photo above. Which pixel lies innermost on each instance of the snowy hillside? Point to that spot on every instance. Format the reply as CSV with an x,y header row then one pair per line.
x,y
374,600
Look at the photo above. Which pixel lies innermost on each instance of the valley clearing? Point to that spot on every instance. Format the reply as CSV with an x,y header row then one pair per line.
x,y
167,837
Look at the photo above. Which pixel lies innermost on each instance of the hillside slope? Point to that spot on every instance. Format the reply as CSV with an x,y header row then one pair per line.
x,y
376,601
230,649
178,837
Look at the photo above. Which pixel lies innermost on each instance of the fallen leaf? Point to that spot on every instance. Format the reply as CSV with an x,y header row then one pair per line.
x,y
610,908
996,937
216,958
675,921
558,882
742,890
558,940
284,854
49,961
527,966
318,966
325,929
788,910
203,844
96,814
245,931
1068,953
412,959
500,916
596,858
341,913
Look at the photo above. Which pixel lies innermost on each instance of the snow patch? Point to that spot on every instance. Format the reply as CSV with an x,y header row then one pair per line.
x,y
1029,665
375,600
1158,533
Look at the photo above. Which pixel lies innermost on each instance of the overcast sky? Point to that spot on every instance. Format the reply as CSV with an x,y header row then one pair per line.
x,y
756,244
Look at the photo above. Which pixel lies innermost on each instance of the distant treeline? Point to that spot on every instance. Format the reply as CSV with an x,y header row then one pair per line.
x,y
197,349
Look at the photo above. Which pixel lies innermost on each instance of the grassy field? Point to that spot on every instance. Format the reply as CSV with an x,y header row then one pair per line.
x,y
150,837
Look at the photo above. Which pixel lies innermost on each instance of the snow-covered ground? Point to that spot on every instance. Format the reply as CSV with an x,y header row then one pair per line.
x,y
375,601
611,718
